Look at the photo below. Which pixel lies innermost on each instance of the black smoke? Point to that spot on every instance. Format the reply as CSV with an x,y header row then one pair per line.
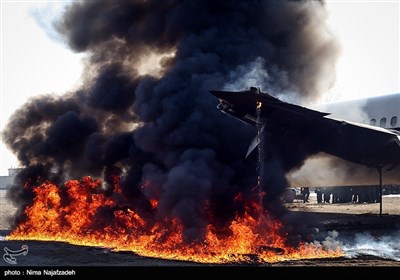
x,y
163,134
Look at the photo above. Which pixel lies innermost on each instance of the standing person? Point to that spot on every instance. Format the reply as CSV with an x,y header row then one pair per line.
x,y
318,191
306,194
327,195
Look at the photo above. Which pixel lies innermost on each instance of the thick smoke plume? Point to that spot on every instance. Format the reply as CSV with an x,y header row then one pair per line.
x,y
161,132
325,170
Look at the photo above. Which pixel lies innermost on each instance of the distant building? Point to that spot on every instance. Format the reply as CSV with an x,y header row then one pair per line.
x,y
7,181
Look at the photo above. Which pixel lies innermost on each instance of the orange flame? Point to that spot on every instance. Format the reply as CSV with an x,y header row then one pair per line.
x,y
77,221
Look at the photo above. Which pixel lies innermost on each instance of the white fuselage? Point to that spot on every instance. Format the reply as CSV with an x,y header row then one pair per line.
x,y
382,111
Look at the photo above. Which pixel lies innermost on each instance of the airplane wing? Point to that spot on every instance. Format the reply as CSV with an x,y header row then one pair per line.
x,y
364,144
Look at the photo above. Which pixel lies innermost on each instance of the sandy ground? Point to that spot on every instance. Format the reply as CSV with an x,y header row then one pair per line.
x,y
390,206
352,221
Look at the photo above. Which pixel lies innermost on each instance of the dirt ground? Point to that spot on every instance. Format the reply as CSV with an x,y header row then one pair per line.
x,y
390,206
352,221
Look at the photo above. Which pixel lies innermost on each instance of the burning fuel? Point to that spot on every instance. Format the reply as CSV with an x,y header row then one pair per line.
x,y
173,178
88,217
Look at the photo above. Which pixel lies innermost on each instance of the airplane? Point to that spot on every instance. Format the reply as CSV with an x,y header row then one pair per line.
x,y
357,138
384,108
362,143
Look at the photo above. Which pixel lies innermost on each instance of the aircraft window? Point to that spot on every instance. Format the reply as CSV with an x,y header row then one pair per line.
x,y
393,121
372,122
382,123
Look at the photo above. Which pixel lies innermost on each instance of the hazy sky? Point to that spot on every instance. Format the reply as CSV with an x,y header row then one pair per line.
x,y
370,48
34,62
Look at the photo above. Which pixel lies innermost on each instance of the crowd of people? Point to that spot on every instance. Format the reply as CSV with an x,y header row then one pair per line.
x,y
345,194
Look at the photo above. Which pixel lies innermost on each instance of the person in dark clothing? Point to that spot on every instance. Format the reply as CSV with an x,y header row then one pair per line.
x,y
327,195
318,191
306,194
